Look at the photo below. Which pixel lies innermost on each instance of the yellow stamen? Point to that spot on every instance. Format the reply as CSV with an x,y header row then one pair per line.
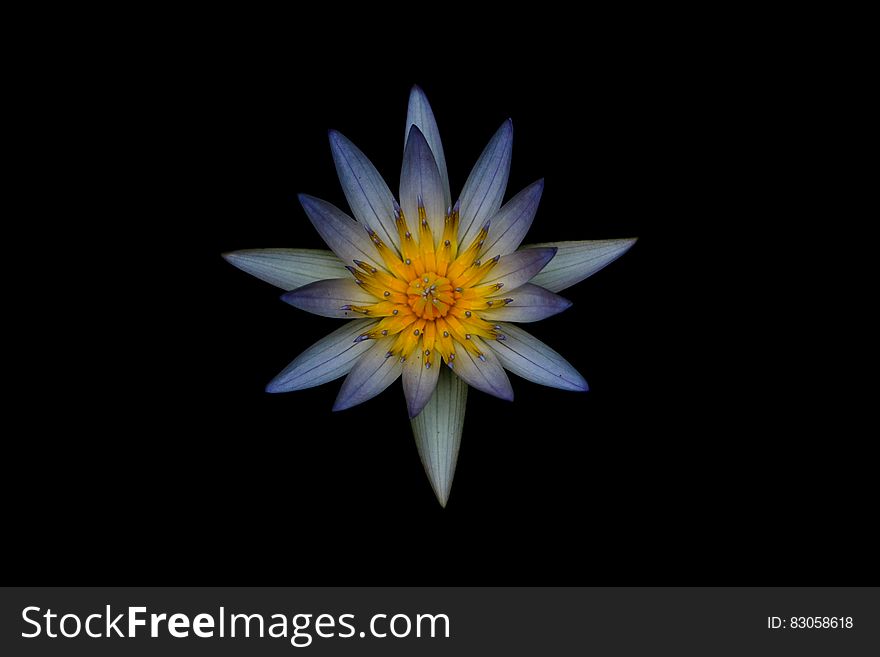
x,y
469,256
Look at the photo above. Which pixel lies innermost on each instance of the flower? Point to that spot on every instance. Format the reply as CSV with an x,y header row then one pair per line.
x,y
425,283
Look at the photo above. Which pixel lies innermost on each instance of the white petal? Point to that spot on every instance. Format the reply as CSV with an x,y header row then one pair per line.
x,y
328,298
367,193
529,303
419,114
525,355
419,381
419,177
371,375
518,268
511,223
484,190
486,375
576,260
327,359
347,238
437,430
288,268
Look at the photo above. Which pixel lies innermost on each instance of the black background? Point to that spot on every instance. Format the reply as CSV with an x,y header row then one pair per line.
x,y
154,454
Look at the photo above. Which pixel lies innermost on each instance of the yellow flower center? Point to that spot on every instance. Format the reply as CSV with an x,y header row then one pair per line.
x,y
429,295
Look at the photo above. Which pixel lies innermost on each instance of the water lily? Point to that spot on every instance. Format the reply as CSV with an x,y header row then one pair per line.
x,y
432,290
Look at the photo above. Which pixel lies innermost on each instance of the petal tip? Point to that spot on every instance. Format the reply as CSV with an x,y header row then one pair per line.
x,y
505,392
274,387
415,131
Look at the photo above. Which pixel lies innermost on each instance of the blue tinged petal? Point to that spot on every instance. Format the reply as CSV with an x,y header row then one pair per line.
x,y
527,303
419,114
288,268
347,238
525,355
483,374
437,430
575,261
518,268
484,190
374,372
330,298
420,178
329,358
367,193
511,223
418,381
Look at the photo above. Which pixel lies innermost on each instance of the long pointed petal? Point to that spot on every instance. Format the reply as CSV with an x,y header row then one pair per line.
x,y
288,268
518,268
486,374
347,238
368,195
511,223
329,358
525,355
419,114
374,372
419,382
527,303
575,261
420,178
329,298
437,430
484,190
